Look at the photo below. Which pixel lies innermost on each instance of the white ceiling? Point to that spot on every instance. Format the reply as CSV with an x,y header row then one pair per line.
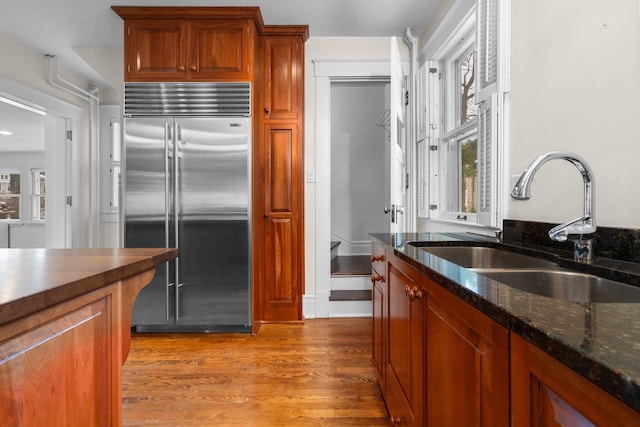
x,y
58,27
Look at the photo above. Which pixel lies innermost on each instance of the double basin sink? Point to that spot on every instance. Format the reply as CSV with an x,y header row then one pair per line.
x,y
537,276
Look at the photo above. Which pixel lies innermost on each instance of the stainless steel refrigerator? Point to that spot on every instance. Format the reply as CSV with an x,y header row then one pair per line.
x,y
187,184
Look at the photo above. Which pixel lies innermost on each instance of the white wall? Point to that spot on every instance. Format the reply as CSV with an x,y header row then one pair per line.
x,y
357,165
28,67
575,71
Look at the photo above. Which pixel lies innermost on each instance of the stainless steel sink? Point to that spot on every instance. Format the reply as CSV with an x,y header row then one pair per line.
x,y
482,257
567,285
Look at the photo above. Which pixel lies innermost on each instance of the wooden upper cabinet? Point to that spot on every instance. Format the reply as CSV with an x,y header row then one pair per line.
x,y
155,50
282,74
174,50
220,50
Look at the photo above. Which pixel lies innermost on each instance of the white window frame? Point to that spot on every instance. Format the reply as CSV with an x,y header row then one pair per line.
x,y
110,144
447,44
457,46
36,195
12,171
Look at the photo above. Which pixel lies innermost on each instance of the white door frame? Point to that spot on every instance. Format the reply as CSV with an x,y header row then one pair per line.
x,y
71,116
325,73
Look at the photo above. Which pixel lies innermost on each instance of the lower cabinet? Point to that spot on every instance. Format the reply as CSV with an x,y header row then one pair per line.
x,y
379,313
544,392
405,382
467,364
444,363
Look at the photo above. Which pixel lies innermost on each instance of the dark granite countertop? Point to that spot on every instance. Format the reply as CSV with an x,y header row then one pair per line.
x,y
602,344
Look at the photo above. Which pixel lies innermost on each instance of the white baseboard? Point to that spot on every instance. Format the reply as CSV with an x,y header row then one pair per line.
x,y
309,306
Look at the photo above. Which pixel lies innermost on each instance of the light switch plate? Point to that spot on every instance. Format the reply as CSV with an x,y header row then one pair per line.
x,y
311,175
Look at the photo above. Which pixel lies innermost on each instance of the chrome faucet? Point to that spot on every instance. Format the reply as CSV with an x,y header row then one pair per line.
x,y
581,230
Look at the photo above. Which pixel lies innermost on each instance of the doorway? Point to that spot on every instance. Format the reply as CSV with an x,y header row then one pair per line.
x,y
359,164
39,149
328,74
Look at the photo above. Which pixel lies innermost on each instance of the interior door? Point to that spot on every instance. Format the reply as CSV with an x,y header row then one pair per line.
x,y
397,146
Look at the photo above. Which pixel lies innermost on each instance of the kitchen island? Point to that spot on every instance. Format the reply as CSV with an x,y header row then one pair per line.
x,y
514,357
65,332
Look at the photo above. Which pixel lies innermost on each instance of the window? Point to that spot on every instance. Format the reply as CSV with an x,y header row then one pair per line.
x,y
114,180
465,87
110,158
9,194
457,146
38,210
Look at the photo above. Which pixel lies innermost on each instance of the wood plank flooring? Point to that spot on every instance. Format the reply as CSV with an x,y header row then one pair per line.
x,y
314,374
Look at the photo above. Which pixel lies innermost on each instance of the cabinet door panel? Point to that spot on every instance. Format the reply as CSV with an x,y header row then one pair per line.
x,y
467,361
282,227
378,297
405,364
282,69
546,393
156,50
219,50
59,373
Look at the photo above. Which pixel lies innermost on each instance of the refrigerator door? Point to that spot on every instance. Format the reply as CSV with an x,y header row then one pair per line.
x,y
147,201
213,208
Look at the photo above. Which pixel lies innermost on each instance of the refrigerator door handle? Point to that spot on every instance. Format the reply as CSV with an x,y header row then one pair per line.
x,y
176,217
167,205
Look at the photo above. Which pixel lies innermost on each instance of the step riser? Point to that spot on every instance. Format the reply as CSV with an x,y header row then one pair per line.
x,y
347,283
350,309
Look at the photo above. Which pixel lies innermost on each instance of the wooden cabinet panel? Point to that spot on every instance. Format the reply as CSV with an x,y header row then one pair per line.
x,y
467,364
155,50
219,50
544,392
59,373
281,141
282,72
282,249
379,314
404,382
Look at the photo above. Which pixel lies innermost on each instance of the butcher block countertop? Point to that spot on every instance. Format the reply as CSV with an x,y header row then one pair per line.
x,y
34,279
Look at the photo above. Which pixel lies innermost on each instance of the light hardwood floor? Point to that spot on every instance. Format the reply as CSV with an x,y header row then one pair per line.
x,y
314,374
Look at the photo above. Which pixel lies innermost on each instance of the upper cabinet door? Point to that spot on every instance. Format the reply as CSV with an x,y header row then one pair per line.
x,y
154,50
220,50
173,50
282,74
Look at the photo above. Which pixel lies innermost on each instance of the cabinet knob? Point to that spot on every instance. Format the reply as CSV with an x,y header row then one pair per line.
x,y
266,110
375,258
394,421
266,215
413,294
181,68
375,278
194,68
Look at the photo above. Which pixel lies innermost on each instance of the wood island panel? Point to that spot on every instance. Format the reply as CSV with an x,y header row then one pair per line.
x,y
65,331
